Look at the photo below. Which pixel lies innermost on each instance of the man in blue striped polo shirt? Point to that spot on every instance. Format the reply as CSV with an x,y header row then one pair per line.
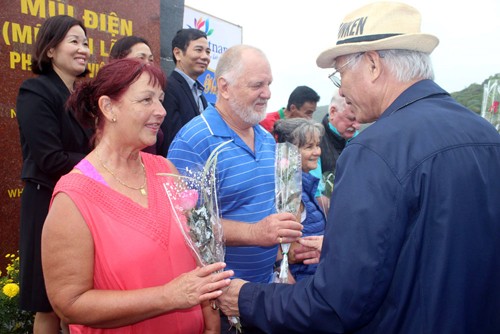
x,y
245,167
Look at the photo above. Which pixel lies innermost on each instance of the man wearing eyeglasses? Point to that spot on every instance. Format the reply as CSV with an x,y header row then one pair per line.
x,y
412,239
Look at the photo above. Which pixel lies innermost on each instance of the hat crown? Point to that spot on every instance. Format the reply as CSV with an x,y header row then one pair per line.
x,y
379,26
379,20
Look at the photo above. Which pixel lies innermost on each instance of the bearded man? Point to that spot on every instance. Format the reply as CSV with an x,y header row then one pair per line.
x,y
245,166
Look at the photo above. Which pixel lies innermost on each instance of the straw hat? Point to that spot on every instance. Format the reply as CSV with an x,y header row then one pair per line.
x,y
379,26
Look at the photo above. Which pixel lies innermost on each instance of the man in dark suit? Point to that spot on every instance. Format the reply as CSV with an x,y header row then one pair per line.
x,y
184,94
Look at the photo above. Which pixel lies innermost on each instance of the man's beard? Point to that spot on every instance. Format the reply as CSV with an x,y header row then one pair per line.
x,y
248,114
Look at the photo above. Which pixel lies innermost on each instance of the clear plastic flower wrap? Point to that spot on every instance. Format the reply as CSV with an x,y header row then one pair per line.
x,y
194,202
490,108
288,190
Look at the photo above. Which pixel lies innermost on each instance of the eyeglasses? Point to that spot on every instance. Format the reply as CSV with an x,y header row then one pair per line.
x,y
335,76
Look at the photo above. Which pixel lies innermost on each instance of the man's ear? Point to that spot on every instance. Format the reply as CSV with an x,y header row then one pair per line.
x,y
222,87
331,111
177,53
375,65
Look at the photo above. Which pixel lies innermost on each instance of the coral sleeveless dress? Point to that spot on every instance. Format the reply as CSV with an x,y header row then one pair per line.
x,y
135,247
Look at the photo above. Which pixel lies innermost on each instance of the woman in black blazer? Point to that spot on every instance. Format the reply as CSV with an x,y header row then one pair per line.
x,y
52,143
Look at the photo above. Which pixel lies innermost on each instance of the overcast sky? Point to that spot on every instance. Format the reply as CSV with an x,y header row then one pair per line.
x,y
292,33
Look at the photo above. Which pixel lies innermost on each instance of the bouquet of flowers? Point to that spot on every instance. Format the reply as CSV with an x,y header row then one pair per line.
x,y
193,198
195,208
288,191
491,102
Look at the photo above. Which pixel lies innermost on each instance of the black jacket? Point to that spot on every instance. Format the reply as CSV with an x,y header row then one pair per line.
x,y
331,147
180,106
52,140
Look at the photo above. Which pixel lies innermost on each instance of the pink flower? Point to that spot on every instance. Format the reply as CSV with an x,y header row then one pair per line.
x,y
494,107
284,163
188,199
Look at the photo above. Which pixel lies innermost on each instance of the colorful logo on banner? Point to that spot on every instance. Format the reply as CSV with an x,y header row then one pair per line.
x,y
203,26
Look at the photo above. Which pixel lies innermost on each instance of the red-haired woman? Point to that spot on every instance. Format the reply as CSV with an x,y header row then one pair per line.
x,y
134,272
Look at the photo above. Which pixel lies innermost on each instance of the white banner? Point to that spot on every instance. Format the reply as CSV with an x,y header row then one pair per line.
x,y
221,36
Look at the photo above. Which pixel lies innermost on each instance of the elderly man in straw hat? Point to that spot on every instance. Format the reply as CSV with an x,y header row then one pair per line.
x,y
412,243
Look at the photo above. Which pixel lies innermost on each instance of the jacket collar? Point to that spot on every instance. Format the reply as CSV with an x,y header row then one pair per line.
x,y
420,90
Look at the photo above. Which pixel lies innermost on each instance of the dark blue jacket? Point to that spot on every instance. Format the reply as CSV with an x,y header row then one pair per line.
x,y
314,224
412,243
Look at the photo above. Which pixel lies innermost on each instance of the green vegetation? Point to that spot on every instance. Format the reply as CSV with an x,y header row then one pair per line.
x,y
472,96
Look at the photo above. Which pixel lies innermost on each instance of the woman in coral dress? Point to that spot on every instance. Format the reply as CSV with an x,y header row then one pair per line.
x,y
114,259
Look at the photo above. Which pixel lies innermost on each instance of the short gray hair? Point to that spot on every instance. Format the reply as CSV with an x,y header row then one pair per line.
x,y
405,65
337,101
297,130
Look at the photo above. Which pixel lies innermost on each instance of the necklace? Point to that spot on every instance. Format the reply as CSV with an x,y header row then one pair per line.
x,y
141,188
